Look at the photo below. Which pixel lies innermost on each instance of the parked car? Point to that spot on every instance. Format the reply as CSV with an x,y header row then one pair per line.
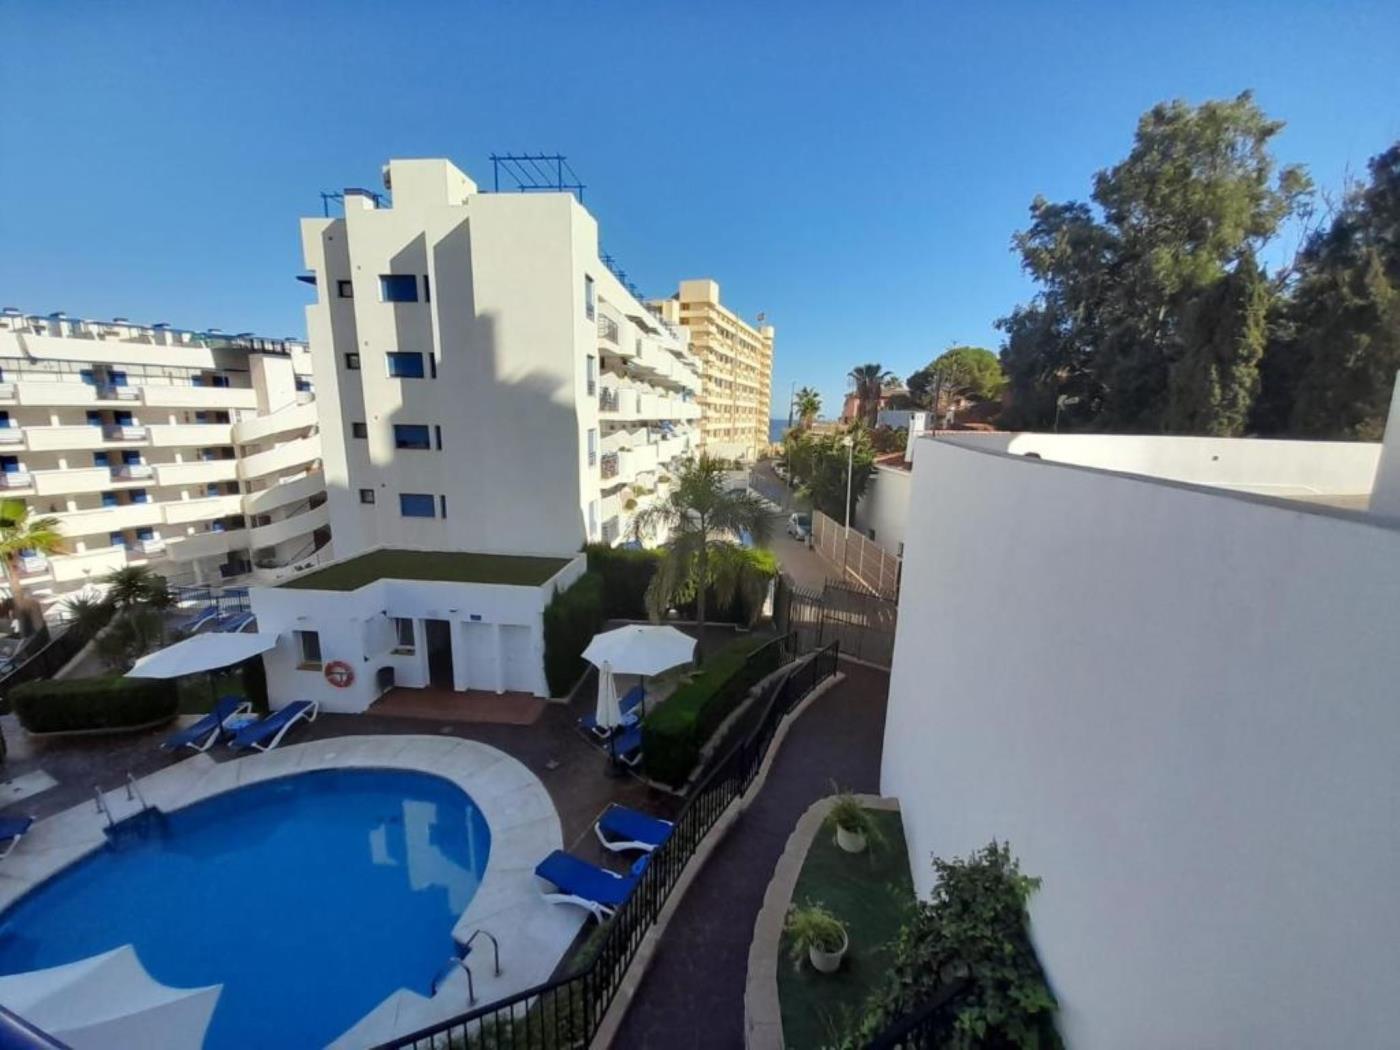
x,y
799,526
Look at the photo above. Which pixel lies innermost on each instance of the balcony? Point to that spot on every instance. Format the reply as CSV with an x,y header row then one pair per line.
x,y
198,396
8,392
293,454
609,331
102,520
283,493
117,393
150,548
183,512
607,399
124,432
16,479
277,532
132,471
191,435
206,545
34,565
612,529
608,466
11,436
285,421
88,565
199,472
73,480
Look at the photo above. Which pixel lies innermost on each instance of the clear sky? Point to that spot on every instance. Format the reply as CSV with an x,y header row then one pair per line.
x,y
854,170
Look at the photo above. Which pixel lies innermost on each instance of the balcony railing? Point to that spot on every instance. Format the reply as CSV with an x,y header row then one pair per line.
x,y
123,432
128,471
611,530
7,391
608,466
118,393
33,565
16,479
150,548
11,436
608,330
607,400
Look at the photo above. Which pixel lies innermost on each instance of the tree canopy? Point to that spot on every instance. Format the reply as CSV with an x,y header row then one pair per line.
x,y
870,383
970,372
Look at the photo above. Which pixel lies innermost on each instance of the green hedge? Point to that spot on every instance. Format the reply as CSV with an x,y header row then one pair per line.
x,y
571,619
626,574
93,703
675,733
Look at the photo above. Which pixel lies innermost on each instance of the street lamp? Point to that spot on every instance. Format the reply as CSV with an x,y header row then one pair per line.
x,y
850,444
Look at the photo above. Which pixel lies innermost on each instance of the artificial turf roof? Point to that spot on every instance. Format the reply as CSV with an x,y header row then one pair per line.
x,y
442,566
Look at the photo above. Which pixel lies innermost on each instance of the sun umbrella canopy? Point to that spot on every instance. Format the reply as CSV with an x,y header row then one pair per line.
x,y
640,649
110,1002
203,652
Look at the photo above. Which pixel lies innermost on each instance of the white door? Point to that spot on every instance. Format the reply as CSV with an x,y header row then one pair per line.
x,y
522,674
478,655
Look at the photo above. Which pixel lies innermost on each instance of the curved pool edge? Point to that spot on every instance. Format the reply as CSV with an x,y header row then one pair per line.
x,y
524,828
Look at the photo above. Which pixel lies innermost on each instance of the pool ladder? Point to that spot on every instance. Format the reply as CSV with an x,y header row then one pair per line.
x,y
133,794
462,962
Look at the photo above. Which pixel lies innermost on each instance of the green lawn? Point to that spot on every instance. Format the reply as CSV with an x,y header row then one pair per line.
x,y
445,566
871,893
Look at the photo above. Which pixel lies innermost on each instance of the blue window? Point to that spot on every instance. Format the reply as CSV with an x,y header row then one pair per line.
x,y
118,378
88,377
94,418
196,380
416,504
109,499
201,417
117,539
398,288
303,384
145,534
411,435
131,458
140,496
100,459
218,381
124,419
217,526
405,365
212,489
9,464
5,421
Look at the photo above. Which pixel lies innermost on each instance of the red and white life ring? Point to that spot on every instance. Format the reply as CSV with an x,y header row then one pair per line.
x,y
339,674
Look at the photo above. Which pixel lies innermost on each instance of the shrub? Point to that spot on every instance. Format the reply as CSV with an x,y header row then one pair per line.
x,y
571,619
625,575
674,734
93,703
974,927
811,926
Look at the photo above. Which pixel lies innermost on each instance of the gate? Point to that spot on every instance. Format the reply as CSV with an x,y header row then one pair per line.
x,y
863,623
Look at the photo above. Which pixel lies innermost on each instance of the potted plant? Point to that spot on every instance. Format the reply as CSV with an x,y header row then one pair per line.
x,y
855,827
816,935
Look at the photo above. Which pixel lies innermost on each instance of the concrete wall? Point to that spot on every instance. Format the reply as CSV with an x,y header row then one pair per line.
x,y
885,507
356,626
1385,495
1179,707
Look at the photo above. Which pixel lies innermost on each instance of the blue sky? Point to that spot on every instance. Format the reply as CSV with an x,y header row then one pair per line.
x,y
853,170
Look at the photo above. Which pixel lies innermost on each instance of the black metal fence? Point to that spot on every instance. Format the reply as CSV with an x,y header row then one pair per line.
x,y
862,623
50,659
927,1027
567,1011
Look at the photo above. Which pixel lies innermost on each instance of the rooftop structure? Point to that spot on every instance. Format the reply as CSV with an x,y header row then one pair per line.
x,y
738,367
195,453
447,566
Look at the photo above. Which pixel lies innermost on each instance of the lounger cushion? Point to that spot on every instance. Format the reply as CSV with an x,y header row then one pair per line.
x,y
260,731
578,878
627,825
13,827
206,725
628,742
632,698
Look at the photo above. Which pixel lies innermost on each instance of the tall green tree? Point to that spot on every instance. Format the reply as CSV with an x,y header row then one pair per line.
x,y
1149,309
703,521
870,383
970,372
828,462
808,404
20,532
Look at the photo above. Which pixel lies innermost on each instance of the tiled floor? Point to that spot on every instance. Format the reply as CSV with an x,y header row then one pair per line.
x,y
474,705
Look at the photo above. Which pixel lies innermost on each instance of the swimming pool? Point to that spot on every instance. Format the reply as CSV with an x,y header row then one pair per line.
x,y
309,898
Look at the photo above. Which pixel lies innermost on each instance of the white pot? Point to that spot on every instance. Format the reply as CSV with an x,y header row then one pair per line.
x,y
829,962
850,841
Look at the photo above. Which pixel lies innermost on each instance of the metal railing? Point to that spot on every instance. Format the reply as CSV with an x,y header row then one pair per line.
x,y
928,1026
607,399
608,467
608,330
567,1011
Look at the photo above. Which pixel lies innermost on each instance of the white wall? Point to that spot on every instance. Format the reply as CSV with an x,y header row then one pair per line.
x,y
885,507
1180,708
355,626
1385,495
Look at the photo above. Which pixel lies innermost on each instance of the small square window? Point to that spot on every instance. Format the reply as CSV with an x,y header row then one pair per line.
x,y
411,436
352,362
405,364
345,289
590,298
359,430
398,288
366,495
416,504
403,635
309,650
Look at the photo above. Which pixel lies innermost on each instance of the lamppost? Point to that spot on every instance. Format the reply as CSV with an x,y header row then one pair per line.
x,y
850,444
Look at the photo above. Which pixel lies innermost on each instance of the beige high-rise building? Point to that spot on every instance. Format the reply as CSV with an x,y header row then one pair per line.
x,y
737,365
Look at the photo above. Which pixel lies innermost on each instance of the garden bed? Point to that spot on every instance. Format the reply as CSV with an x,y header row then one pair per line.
x,y
872,894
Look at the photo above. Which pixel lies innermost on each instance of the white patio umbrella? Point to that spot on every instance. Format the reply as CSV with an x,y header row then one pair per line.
x,y
640,649
202,652
609,714
110,1002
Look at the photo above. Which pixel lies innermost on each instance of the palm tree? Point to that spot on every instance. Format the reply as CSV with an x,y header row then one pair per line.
x,y
870,381
137,585
809,405
20,532
703,520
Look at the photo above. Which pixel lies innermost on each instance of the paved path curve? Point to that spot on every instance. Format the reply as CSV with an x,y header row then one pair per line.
x,y
693,994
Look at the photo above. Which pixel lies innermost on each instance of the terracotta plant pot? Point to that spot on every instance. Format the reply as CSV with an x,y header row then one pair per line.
x,y
850,841
829,962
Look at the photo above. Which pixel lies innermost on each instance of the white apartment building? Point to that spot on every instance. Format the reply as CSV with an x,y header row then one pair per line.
x,y
484,383
194,453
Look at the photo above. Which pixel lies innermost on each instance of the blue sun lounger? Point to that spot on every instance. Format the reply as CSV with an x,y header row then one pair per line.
x,y
628,705
196,621
620,829
12,829
626,747
268,733
202,735
598,891
233,622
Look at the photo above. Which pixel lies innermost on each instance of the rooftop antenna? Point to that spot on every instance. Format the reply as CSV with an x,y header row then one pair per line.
x,y
535,173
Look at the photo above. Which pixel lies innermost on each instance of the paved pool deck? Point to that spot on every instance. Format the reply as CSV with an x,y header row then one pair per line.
x,y
693,994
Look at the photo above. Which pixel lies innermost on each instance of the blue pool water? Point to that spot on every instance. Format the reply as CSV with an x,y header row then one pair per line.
x,y
310,898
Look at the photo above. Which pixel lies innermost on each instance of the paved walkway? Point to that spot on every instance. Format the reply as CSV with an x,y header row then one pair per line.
x,y
693,994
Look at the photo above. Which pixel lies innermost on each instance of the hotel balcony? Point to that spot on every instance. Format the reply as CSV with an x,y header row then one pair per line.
x,y
199,396
132,471
191,435
8,393
90,565
183,512
608,465
197,472
150,548
102,520
16,479
72,480
206,544
288,456
283,493
11,435
285,421
124,432
276,532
